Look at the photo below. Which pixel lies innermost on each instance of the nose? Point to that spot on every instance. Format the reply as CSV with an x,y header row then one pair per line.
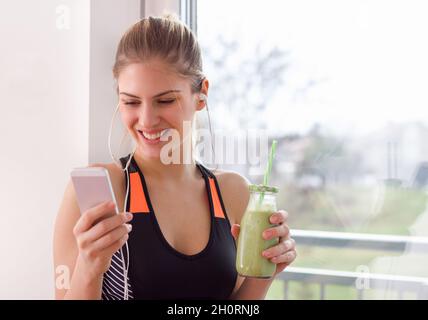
x,y
148,116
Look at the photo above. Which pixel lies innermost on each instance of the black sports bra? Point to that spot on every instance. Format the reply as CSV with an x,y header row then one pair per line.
x,y
158,271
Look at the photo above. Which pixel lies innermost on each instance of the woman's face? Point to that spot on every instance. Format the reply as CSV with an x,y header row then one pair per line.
x,y
153,98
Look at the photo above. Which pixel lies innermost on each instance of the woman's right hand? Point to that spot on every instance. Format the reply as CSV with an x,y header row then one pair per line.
x,y
98,241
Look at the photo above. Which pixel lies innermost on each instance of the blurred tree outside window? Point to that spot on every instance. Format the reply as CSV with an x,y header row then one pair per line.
x,y
341,86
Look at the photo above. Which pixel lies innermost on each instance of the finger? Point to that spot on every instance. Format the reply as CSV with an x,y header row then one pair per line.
x,y
91,215
235,230
110,250
274,232
105,226
111,237
287,257
279,217
279,249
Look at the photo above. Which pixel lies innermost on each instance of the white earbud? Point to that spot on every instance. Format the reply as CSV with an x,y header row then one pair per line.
x,y
203,97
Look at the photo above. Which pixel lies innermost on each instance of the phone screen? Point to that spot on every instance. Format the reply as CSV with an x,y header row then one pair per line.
x,y
92,190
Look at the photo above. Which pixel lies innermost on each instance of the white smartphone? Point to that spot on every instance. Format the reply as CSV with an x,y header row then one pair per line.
x,y
92,186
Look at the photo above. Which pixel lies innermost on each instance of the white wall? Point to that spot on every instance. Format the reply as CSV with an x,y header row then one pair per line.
x,y
58,96
109,20
43,133
160,7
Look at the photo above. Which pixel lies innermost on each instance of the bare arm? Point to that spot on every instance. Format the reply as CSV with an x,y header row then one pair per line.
x,y
83,249
71,279
234,189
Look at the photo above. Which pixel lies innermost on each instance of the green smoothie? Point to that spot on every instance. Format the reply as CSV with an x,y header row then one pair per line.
x,y
251,244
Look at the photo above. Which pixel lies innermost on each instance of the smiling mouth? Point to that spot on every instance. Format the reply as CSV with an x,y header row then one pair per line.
x,y
153,136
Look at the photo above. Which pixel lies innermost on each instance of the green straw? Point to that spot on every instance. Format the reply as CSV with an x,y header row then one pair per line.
x,y
268,169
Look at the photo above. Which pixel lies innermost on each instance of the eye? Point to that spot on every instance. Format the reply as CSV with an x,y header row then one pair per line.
x,y
169,101
131,102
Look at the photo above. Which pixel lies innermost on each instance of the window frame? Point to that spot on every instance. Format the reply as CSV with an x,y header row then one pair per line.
x,y
188,14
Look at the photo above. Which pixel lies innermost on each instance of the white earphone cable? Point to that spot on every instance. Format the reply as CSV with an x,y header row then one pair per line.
x,y
124,265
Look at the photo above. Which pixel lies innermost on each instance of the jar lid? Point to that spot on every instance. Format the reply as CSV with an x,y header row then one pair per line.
x,y
262,188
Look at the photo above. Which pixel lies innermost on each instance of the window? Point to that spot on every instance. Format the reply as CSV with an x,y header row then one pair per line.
x,y
342,86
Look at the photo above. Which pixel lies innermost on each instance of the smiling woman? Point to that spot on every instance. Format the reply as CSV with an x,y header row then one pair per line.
x,y
184,217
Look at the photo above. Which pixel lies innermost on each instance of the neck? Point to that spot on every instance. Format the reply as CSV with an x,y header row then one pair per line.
x,y
155,168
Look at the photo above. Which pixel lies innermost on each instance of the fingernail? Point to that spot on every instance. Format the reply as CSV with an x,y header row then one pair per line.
x,y
265,254
129,227
129,216
266,234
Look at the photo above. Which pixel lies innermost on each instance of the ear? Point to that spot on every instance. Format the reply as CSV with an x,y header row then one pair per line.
x,y
203,95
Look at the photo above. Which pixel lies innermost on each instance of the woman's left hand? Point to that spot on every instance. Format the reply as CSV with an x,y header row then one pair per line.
x,y
282,254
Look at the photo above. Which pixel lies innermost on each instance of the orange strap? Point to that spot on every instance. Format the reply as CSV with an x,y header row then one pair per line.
x,y
138,198
138,202
218,210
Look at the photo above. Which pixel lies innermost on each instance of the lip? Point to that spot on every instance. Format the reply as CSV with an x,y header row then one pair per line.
x,y
152,131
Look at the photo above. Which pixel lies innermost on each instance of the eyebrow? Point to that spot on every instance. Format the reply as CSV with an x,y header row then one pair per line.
x,y
156,96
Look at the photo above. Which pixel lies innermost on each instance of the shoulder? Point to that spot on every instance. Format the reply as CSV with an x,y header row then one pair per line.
x,y
235,193
231,179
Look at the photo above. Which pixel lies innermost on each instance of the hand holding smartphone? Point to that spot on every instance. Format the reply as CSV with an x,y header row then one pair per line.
x,y
101,230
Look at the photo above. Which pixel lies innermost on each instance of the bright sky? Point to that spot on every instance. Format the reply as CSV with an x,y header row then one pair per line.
x,y
371,55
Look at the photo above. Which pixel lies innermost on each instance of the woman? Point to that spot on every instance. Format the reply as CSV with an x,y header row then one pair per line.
x,y
184,218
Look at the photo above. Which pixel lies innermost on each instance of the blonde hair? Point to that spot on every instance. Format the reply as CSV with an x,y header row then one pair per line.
x,y
166,38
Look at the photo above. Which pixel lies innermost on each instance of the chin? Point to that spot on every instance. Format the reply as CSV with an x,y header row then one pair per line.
x,y
149,152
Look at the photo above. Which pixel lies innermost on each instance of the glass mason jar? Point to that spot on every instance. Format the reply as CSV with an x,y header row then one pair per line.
x,y
251,244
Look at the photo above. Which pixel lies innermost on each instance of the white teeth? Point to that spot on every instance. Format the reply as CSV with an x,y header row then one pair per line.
x,y
151,136
154,136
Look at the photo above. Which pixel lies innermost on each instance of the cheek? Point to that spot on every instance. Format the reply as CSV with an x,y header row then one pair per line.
x,y
128,118
172,116
184,111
